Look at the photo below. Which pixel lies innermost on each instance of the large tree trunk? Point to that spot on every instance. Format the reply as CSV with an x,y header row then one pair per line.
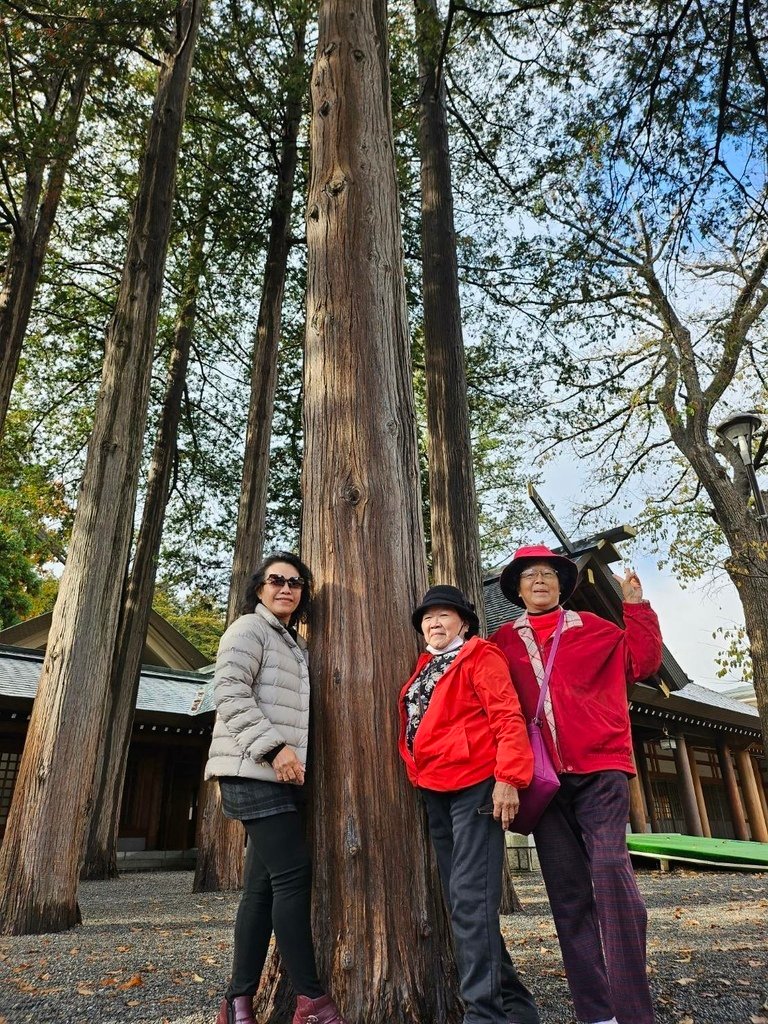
x,y
220,849
453,505
101,847
31,230
44,841
380,926
748,568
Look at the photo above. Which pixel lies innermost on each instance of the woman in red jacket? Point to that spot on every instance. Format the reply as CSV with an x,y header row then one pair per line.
x,y
581,838
464,744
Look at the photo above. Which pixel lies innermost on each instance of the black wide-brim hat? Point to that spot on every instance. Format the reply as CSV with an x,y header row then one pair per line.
x,y
445,596
566,568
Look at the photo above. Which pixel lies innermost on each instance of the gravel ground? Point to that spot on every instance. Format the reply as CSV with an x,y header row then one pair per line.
x,y
152,953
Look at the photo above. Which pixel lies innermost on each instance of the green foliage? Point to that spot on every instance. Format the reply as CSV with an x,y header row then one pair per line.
x,y
35,520
196,617
734,656
18,580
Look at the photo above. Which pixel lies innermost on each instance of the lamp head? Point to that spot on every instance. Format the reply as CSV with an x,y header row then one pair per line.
x,y
739,430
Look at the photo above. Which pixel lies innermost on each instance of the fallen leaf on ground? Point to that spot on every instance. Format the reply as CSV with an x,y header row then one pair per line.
x,y
83,990
133,982
684,981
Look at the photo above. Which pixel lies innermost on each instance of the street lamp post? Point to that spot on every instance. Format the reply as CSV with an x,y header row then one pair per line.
x,y
739,430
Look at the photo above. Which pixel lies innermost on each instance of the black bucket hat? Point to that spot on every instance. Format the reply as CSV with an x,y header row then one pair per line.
x,y
445,596
566,569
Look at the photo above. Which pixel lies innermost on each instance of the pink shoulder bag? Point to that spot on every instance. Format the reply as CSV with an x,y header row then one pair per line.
x,y
536,798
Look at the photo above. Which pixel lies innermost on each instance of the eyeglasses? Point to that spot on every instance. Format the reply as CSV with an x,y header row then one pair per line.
x,y
276,580
543,574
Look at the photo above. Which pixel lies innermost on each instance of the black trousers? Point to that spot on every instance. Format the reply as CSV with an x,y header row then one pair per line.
x,y
470,856
276,895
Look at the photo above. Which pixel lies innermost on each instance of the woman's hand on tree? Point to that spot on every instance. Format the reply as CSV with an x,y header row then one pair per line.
x,y
288,768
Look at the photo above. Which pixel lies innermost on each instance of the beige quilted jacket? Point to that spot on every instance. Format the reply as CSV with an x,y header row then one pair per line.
x,y
261,691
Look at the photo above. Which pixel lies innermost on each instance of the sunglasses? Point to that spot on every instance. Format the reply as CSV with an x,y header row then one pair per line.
x,y
276,580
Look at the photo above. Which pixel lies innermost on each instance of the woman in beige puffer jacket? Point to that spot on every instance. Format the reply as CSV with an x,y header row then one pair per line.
x,y
258,753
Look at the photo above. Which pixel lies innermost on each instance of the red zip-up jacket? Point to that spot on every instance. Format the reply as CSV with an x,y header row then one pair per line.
x,y
593,666
473,728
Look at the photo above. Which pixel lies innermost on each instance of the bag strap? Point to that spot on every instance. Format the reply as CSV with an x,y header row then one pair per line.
x,y
548,669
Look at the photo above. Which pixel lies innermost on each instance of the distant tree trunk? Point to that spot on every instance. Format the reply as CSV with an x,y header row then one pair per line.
x,y
101,848
510,901
221,845
452,500
31,229
380,926
44,842
220,850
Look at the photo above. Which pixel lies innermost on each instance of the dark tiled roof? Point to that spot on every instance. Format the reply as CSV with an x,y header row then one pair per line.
x,y
166,691
498,609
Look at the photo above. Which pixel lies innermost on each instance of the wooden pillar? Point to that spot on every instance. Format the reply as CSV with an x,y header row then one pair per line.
x,y
760,785
637,818
645,779
697,788
732,790
687,792
754,809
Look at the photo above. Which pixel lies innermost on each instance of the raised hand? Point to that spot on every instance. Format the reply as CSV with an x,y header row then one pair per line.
x,y
631,587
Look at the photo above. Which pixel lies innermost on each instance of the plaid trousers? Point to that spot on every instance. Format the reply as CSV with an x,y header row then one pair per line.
x,y
599,913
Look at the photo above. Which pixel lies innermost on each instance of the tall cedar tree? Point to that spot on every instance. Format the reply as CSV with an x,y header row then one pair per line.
x,y
220,841
452,500
31,220
379,922
101,849
45,837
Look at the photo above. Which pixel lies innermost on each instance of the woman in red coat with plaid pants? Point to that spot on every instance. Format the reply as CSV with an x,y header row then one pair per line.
x,y
581,838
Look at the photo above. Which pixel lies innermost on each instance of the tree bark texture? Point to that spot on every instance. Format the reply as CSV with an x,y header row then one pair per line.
x,y
249,538
750,575
380,927
452,499
31,228
44,842
101,847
